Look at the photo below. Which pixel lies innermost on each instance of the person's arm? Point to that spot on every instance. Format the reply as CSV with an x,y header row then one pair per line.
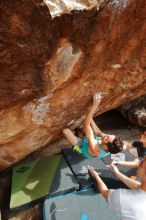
x,y
134,163
132,184
92,111
93,146
127,146
102,187
88,129
96,129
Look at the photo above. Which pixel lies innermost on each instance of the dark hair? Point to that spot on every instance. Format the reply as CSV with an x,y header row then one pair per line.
x,y
116,146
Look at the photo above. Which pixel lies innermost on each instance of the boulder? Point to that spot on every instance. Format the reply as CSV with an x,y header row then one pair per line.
x,y
135,111
54,55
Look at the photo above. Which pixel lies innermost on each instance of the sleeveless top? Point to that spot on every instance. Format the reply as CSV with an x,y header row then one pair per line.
x,y
85,147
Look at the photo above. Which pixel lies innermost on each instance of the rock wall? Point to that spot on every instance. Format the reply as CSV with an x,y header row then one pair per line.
x,y
54,55
135,111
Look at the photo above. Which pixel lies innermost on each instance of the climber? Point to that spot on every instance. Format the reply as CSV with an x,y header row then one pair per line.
x,y
95,143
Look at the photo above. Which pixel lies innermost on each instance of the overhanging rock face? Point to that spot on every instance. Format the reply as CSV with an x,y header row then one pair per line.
x,y
135,111
55,56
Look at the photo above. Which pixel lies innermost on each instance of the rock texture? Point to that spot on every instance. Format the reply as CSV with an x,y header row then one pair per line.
x,y
54,55
135,111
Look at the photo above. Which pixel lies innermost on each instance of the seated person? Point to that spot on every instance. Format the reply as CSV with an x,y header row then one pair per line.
x,y
95,143
140,146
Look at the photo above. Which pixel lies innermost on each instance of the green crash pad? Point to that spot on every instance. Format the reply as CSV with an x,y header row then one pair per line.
x,y
37,179
82,205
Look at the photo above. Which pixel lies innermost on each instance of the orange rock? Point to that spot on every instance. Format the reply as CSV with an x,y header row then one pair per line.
x,y
52,64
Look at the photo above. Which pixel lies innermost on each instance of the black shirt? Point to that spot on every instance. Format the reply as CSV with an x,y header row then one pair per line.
x,y
140,149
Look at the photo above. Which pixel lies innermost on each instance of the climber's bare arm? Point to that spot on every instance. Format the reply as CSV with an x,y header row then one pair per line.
x,y
96,129
88,129
127,146
93,146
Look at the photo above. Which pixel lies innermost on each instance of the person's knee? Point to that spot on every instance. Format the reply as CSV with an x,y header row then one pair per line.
x,y
66,131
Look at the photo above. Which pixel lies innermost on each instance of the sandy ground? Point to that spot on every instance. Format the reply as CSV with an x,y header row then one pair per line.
x,y
111,122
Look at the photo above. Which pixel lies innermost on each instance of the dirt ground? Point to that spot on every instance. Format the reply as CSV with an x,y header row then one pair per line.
x,y
111,122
